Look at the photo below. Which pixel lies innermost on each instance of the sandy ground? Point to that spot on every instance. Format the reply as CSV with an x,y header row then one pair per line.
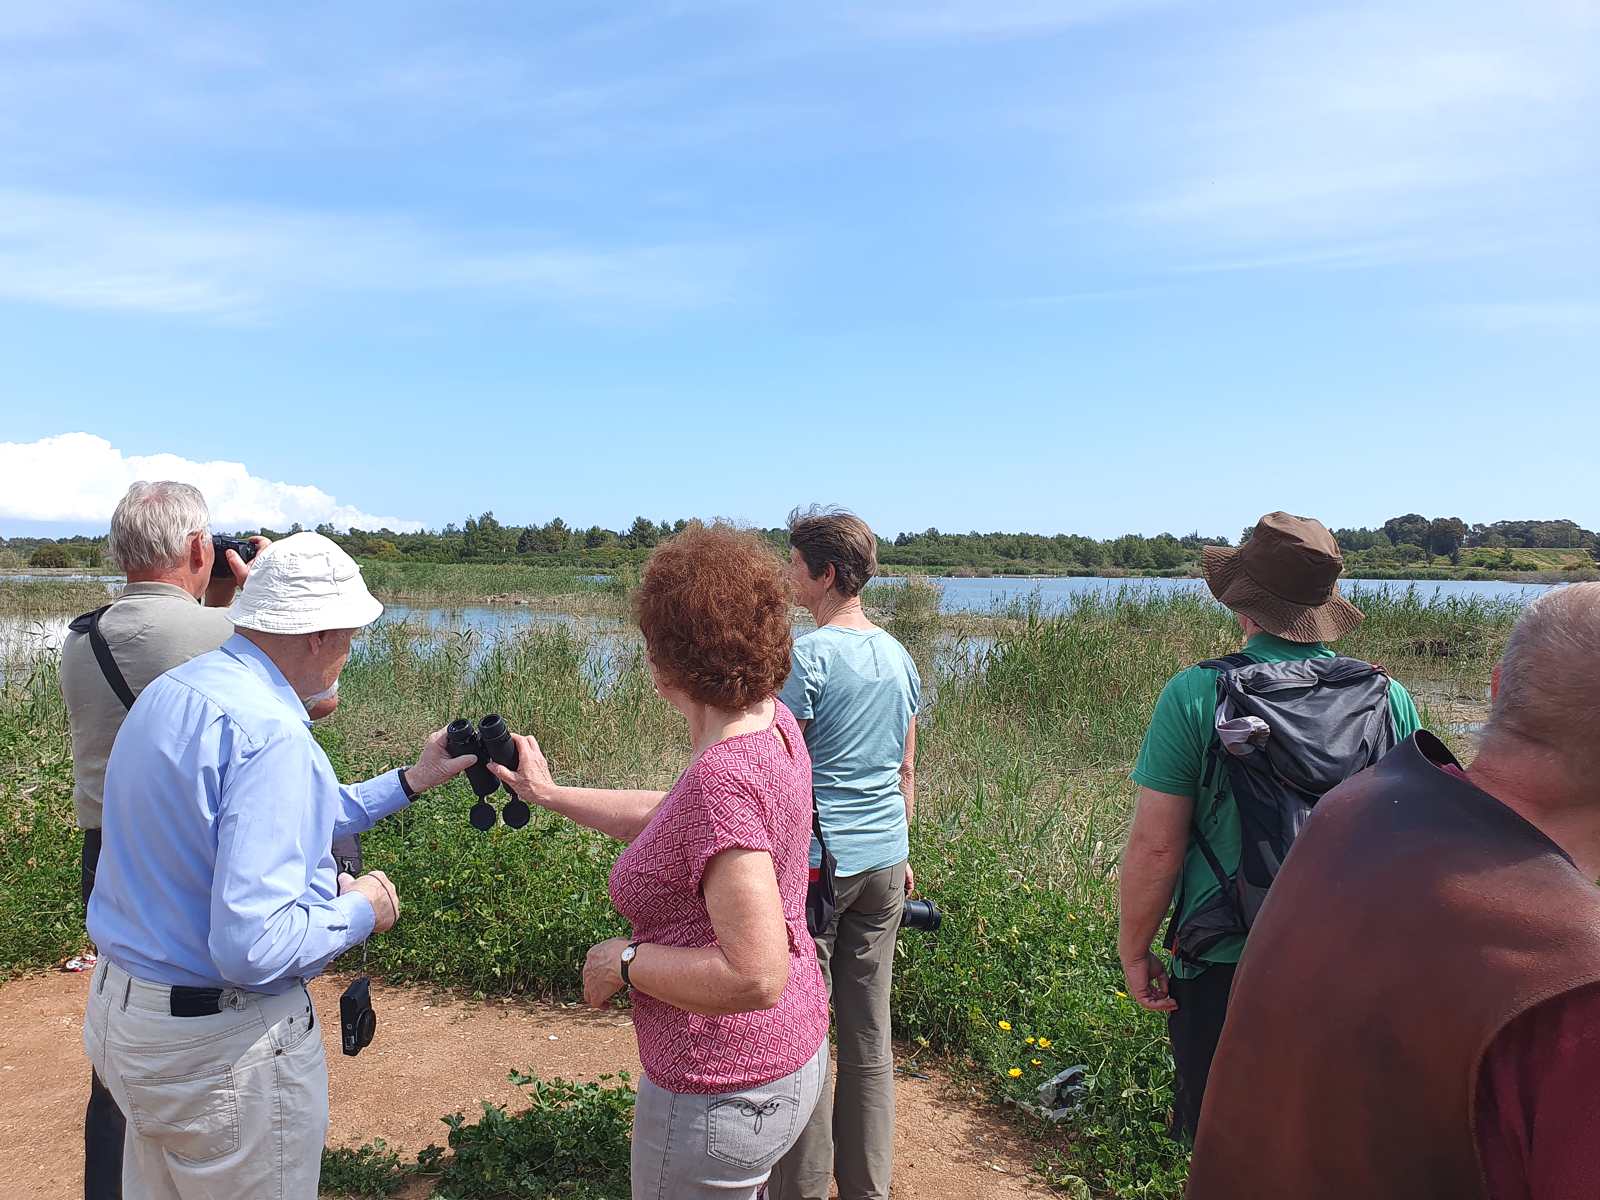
x,y
437,1053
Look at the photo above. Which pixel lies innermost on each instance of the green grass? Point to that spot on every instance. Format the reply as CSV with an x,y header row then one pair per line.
x,y
1023,805
50,597
465,583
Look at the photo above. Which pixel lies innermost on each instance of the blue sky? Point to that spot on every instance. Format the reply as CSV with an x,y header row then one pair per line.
x,y
1098,266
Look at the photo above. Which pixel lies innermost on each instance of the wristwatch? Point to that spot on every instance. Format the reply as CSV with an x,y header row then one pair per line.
x,y
629,953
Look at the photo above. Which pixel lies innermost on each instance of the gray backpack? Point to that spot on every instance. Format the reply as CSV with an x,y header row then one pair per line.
x,y
1286,733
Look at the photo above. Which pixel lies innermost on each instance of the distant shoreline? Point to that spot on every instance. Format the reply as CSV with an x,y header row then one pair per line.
x,y
943,571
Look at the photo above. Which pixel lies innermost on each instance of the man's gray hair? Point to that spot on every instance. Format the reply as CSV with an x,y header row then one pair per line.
x,y
151,526
1549,692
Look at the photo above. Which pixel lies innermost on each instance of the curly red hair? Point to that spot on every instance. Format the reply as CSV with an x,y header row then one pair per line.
x,y
714,609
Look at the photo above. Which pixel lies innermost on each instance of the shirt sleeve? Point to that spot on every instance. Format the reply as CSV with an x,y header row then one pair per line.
x,y
268,922
1402,711
916,684
363,805
726,813
1173,754
804,685
1538,1110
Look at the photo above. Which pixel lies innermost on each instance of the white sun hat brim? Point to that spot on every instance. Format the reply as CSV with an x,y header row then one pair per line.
x,y
304,584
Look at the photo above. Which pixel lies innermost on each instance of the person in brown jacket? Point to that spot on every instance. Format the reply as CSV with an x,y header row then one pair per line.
x,y
1417,1012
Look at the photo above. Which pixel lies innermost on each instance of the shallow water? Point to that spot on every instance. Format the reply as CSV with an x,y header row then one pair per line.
x,y
611,637
978,595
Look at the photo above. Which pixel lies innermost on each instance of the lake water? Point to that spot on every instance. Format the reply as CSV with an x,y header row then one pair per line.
x,y
610,635
979,595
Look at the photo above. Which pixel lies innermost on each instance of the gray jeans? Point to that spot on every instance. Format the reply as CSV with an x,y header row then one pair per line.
x,y
688,1147
851,1135
232,1106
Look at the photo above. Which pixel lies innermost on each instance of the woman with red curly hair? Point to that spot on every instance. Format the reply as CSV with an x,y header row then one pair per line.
x,y
728,1002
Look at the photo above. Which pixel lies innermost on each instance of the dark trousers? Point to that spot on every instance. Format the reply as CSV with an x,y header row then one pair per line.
x,y
1194,1030
103,1126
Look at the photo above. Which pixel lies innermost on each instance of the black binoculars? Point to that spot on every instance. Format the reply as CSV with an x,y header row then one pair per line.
x,y
921,915
240,546
491,741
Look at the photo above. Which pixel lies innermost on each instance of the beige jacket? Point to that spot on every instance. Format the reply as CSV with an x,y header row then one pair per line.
x,y
151,628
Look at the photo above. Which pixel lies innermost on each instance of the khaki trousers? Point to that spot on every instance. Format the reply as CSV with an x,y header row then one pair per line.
x,y
851,1134
232,1106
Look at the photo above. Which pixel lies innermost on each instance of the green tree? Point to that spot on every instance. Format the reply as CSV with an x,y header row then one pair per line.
x,y
1445,536
642,534
1410,530
51,556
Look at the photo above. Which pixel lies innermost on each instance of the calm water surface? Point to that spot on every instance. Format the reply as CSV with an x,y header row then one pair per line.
x,y
611,636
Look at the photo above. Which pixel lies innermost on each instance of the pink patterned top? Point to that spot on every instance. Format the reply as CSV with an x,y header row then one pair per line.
x,y
751,792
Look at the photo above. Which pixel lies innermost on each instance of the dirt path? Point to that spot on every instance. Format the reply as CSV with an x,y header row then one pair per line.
x,y
436,1053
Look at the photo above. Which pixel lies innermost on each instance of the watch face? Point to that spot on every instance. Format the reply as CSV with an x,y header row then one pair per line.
x,y
627,954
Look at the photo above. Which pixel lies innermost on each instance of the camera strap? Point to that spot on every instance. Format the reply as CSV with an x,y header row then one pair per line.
x,y
89,623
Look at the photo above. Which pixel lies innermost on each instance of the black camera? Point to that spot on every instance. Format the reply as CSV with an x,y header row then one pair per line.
x,y
357,1020
221,544
490,740
921,915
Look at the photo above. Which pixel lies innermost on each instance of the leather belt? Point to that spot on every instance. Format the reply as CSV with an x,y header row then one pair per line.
x,y
196,1002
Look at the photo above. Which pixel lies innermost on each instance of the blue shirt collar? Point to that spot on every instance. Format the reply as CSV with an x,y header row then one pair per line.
x,y
255,660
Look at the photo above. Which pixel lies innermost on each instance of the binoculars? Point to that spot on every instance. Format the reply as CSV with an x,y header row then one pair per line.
x,y
219,565
490,740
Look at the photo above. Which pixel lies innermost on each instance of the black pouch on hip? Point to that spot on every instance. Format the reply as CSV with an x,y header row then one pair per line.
x,y
820,901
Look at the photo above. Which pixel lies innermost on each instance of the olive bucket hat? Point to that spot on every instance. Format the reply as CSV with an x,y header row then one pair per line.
x,y
1285,579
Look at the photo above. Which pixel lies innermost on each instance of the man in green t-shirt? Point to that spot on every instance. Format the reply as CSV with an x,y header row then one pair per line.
x,y
1282,585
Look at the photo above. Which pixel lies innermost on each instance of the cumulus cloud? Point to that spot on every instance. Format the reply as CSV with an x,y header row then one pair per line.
x,y
79,477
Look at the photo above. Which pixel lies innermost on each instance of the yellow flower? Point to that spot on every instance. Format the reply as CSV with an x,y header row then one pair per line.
x,y
1035,1062
1029,1041
1006,1025
1015,1072
1121,995
1044,1043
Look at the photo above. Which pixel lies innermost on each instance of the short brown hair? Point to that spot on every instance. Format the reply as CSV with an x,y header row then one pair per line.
x,y
836,536
714,609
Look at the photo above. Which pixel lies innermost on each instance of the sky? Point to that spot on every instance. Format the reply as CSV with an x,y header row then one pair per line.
x,y
1098,266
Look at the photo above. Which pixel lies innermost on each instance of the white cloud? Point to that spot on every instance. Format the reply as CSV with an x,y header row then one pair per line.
x,y
986,18
1549,316
1434,128
79,477
245,262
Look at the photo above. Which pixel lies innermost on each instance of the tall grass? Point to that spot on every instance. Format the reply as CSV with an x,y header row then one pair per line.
x,y
462,583
50,597
1023,804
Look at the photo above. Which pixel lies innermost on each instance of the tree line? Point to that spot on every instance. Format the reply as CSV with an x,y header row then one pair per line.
x,y
1403,540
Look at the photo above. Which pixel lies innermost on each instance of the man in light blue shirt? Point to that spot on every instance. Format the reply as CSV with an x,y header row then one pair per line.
x,y
217,895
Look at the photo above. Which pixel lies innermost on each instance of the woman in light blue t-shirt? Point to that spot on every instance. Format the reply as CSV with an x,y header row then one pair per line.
x,y
854,690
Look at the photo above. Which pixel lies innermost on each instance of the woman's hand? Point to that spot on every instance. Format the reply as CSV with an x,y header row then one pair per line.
x,y
602,972
532,779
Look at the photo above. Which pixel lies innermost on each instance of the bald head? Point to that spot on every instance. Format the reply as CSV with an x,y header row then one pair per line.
x,y
1549,693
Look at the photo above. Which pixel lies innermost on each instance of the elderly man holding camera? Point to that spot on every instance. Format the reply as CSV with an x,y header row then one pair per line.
x,y
159,537
218,895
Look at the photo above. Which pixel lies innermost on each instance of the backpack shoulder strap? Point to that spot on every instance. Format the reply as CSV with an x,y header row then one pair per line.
x,y
1228,662
89,623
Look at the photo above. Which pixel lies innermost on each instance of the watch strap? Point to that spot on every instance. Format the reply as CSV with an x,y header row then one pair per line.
x,y
627,961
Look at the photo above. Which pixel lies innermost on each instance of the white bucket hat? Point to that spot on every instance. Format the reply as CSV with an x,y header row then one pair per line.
x,y
304,584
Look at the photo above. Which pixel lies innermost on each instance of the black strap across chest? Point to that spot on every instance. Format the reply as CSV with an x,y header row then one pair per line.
x,y
89,623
